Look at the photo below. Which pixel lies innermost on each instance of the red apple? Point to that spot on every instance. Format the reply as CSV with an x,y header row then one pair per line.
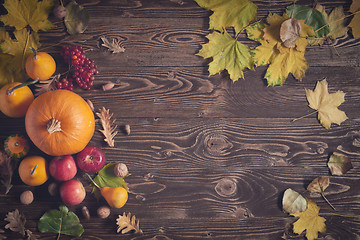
x,y
63,168
72,192
91,159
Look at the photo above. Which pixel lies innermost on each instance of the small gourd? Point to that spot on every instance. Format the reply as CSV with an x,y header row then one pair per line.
x,y
16,146
116,197
15,99
40,65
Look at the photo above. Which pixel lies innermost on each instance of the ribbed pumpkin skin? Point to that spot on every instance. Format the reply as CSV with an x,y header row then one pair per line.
x,y
76,118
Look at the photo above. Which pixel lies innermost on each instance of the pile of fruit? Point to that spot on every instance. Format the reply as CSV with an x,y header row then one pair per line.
x,y
61,124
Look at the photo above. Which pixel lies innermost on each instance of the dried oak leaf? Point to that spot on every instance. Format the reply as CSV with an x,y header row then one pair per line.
x,y
293,202
2,237
114,46
126,223
326,104
47,85
355,22
108,126
339,164
7,167
310,221
17,224
290,32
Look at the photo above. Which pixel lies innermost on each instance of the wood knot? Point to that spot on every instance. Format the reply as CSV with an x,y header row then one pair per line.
x,y
217,145
226,187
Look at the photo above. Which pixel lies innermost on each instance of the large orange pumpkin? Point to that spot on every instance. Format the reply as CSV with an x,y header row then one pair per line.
x,y
60,123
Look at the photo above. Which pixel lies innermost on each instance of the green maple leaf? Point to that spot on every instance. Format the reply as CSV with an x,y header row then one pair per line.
x,y
229,13
335,22
31,13
61,222
227,53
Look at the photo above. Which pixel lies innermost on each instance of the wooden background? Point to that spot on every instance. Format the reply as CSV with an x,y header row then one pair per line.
x,y
209,159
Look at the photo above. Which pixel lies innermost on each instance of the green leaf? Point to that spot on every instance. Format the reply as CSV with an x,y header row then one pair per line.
x,y
229,13
76,19
107,178
227,53
312,17
61,222
28,12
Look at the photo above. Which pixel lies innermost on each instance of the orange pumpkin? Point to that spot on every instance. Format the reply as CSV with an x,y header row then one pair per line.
x,y
60,123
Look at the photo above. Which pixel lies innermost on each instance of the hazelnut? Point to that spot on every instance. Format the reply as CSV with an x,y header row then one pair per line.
x,y
53,189
27,197
103,212
120,170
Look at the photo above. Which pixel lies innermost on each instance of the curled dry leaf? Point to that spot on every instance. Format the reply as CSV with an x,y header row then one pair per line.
x,y
91,105
318,185
126,223
114,46
290,32
108,126
76,19
7,167
339,164
47,85
293,202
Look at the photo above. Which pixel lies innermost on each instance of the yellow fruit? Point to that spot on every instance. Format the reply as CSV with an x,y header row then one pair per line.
x,y
33,170
16,103
40,65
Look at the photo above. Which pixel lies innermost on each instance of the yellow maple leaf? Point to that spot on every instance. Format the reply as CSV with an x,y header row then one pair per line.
x,y
227,53
229,13
4,35
282,60
31,13
310,221
355,22
326,104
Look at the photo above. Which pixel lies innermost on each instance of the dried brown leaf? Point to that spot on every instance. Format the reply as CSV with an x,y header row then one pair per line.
x,y
17,224
108,126
318,185
290,32
339,164
114,46
293,202
45,86
7,167
126,223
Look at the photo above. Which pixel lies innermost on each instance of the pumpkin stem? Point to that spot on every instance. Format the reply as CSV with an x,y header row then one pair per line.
x,y
54,126
33,170
35,57
22,85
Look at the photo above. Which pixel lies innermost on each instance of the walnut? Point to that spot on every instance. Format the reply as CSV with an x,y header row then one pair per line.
x,y
27,197
103,212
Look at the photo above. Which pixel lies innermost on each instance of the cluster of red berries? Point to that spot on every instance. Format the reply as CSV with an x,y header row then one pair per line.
x,y
82,69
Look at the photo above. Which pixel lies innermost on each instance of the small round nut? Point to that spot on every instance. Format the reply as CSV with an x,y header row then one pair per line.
x,y
103,212
59,12
27,197
85,212
120,170
53,189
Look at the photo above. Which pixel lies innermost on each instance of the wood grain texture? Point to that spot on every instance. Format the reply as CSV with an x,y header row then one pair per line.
x,y
209,159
